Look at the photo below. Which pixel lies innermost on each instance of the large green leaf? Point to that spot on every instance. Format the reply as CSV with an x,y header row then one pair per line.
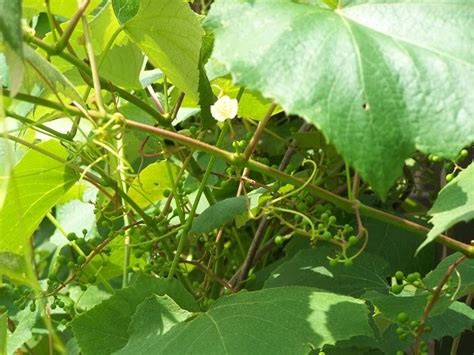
x,y
463,278
397,247
66,8
154,317
148,187
455,203
11,41
169,33
14,266
36,183
23,332
52,78
219,214
381,78
103,329
310,267
287,320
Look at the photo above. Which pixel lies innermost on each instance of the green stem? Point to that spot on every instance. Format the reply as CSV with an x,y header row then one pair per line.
x,y
317,191
184,233
349,182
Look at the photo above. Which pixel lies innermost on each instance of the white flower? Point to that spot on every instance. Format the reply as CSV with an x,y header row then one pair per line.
x,y
224,108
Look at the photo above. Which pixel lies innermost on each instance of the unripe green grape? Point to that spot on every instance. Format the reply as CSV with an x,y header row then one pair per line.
x,y
71,265
403,336
81,259
333,262
166,193
321,226
83,288
396,289
464,153
53,306
413,277
348,262
279,240
332,219
326,235
61,304
414,324
449,177
402,317
399,275
400,330
33,307
353,240
62,259
71,236
325,217
92,279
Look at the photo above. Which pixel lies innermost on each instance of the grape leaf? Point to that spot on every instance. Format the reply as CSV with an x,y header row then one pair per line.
x,y
170,34
148,187
380,78
455,203
219,214
11,41
286,320
310,267
36,183
154,317
463,277
66,8
397,247
103,329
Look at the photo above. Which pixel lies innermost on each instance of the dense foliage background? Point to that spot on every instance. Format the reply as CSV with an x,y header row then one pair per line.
x,y
236,176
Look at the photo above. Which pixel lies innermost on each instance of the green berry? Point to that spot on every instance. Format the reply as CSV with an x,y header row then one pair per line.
x,y
449,177
53,306
71,236
333,262
412,277
166,193
400,330
92,279
399,275
81,259
32,307
353,240
332,219
62,259
71,265
326,235
61,304
325,217
414,324
348,262
402,336
464,153
396,289
402,317
279,240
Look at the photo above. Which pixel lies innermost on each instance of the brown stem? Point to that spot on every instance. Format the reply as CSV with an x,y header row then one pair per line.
x,y
435,297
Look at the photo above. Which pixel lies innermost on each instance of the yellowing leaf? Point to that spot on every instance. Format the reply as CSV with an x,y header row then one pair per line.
x,y
148,186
